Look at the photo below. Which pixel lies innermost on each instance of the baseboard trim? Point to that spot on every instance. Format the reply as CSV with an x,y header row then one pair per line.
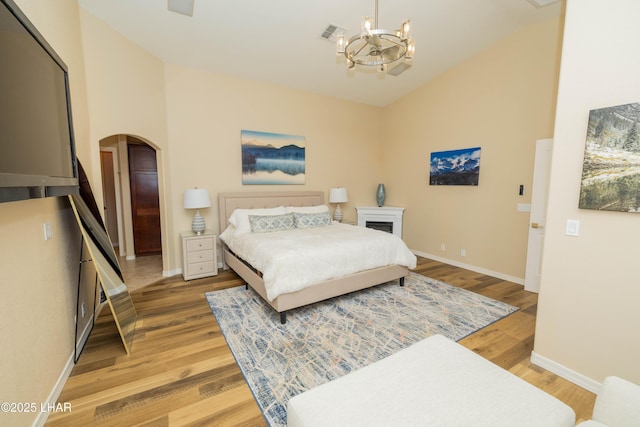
x,y
171,273
517,280
566,373
41,419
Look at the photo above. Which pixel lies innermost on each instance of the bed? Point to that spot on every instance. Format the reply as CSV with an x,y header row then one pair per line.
x,y
314,292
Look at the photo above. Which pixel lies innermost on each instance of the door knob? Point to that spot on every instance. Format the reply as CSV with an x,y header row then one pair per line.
x,y
536,225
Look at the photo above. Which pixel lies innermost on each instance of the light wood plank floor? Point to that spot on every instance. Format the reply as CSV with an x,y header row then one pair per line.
x,y
180,371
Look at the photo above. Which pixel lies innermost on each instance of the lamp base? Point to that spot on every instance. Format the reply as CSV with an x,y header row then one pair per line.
x,y
197,225
337,214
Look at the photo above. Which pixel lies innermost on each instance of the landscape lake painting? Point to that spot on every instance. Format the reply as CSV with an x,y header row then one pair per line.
x,y
611,167
455,167
272,158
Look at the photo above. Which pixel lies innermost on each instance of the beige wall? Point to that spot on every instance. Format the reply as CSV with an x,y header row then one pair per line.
x,y
206,113
501,100
588,315
39,278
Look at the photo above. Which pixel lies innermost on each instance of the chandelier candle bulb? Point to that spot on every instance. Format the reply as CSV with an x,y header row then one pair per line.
x,y
406,27
365,30
341,43
411,48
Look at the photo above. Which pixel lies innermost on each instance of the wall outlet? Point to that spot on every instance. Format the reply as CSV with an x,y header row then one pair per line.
x,y
82,312
442,247
463,252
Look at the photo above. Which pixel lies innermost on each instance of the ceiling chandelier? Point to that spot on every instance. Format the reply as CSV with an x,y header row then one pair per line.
x,y
375,47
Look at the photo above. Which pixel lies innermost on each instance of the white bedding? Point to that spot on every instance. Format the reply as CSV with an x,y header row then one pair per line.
x,y
294,259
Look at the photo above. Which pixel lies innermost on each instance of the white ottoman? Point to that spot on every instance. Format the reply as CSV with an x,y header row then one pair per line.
x,y
435,382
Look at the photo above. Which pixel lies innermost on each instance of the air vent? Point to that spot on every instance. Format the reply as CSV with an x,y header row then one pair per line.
x,y
332,32
542,3
184,7
401,68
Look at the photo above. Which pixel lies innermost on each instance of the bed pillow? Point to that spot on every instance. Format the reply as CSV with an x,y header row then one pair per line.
x,y
240,218
312,220
271,223
308,209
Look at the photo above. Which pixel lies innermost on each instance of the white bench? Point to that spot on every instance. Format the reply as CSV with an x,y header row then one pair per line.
x,y
435,382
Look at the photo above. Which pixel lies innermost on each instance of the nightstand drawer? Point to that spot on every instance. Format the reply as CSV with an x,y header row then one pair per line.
x,y
199,244
201,268
199,256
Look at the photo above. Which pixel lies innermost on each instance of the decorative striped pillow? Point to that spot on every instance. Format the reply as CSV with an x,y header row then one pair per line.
x,y
271,223
312,220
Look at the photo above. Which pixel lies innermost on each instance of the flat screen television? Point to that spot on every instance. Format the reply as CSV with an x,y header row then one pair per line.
x,y
37,150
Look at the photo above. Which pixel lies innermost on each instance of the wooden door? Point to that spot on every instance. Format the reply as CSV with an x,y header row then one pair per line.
x,y
145,203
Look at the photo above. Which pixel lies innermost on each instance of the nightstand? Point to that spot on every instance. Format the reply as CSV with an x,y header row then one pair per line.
x,y
198,255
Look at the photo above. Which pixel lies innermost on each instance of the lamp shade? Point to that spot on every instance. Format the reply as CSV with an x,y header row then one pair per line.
x,y
338,195
196,198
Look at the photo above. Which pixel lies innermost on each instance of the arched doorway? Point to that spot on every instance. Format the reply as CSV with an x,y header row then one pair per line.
x,y
132,206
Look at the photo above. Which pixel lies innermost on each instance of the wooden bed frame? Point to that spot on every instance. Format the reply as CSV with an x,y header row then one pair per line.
x,y
228,202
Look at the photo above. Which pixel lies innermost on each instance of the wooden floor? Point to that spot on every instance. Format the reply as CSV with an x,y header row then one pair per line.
x,y
181,372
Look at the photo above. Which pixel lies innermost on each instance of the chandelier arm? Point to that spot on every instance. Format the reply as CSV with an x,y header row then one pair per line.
x,y
358,51
391,39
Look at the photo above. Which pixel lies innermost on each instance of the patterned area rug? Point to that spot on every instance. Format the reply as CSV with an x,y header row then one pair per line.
x,y
329,339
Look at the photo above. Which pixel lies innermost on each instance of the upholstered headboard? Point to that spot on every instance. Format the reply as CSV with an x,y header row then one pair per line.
x,y
228,202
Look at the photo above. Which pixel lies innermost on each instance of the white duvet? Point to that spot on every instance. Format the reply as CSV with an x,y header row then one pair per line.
x,y
294,259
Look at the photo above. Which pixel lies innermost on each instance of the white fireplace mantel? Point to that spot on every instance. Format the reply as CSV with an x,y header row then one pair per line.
x,y
384,214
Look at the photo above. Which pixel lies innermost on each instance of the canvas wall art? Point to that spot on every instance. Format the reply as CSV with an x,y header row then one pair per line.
x,y
611,167
272,158
455,167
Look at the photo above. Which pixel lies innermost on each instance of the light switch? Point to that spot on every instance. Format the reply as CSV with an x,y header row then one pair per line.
x,y
47,231
573,227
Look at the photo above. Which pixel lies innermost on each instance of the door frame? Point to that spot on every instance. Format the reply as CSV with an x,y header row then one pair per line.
x,y
116,185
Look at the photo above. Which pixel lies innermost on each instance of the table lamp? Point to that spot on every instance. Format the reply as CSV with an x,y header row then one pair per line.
x,y
197,198
338,195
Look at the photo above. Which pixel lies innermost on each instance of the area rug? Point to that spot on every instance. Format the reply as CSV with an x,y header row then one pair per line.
x,y
329,339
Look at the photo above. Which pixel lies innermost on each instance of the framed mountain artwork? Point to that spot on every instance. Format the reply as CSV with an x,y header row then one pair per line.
x,y
455,167
272,158
611,166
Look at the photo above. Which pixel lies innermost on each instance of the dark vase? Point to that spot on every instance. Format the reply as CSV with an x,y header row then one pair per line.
x,y
380,195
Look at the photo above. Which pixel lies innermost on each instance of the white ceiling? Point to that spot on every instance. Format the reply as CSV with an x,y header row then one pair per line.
x,y
278,41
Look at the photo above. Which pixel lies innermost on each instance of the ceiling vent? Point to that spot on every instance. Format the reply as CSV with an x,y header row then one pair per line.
x,y
542,3
399,69
332,31
184,7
